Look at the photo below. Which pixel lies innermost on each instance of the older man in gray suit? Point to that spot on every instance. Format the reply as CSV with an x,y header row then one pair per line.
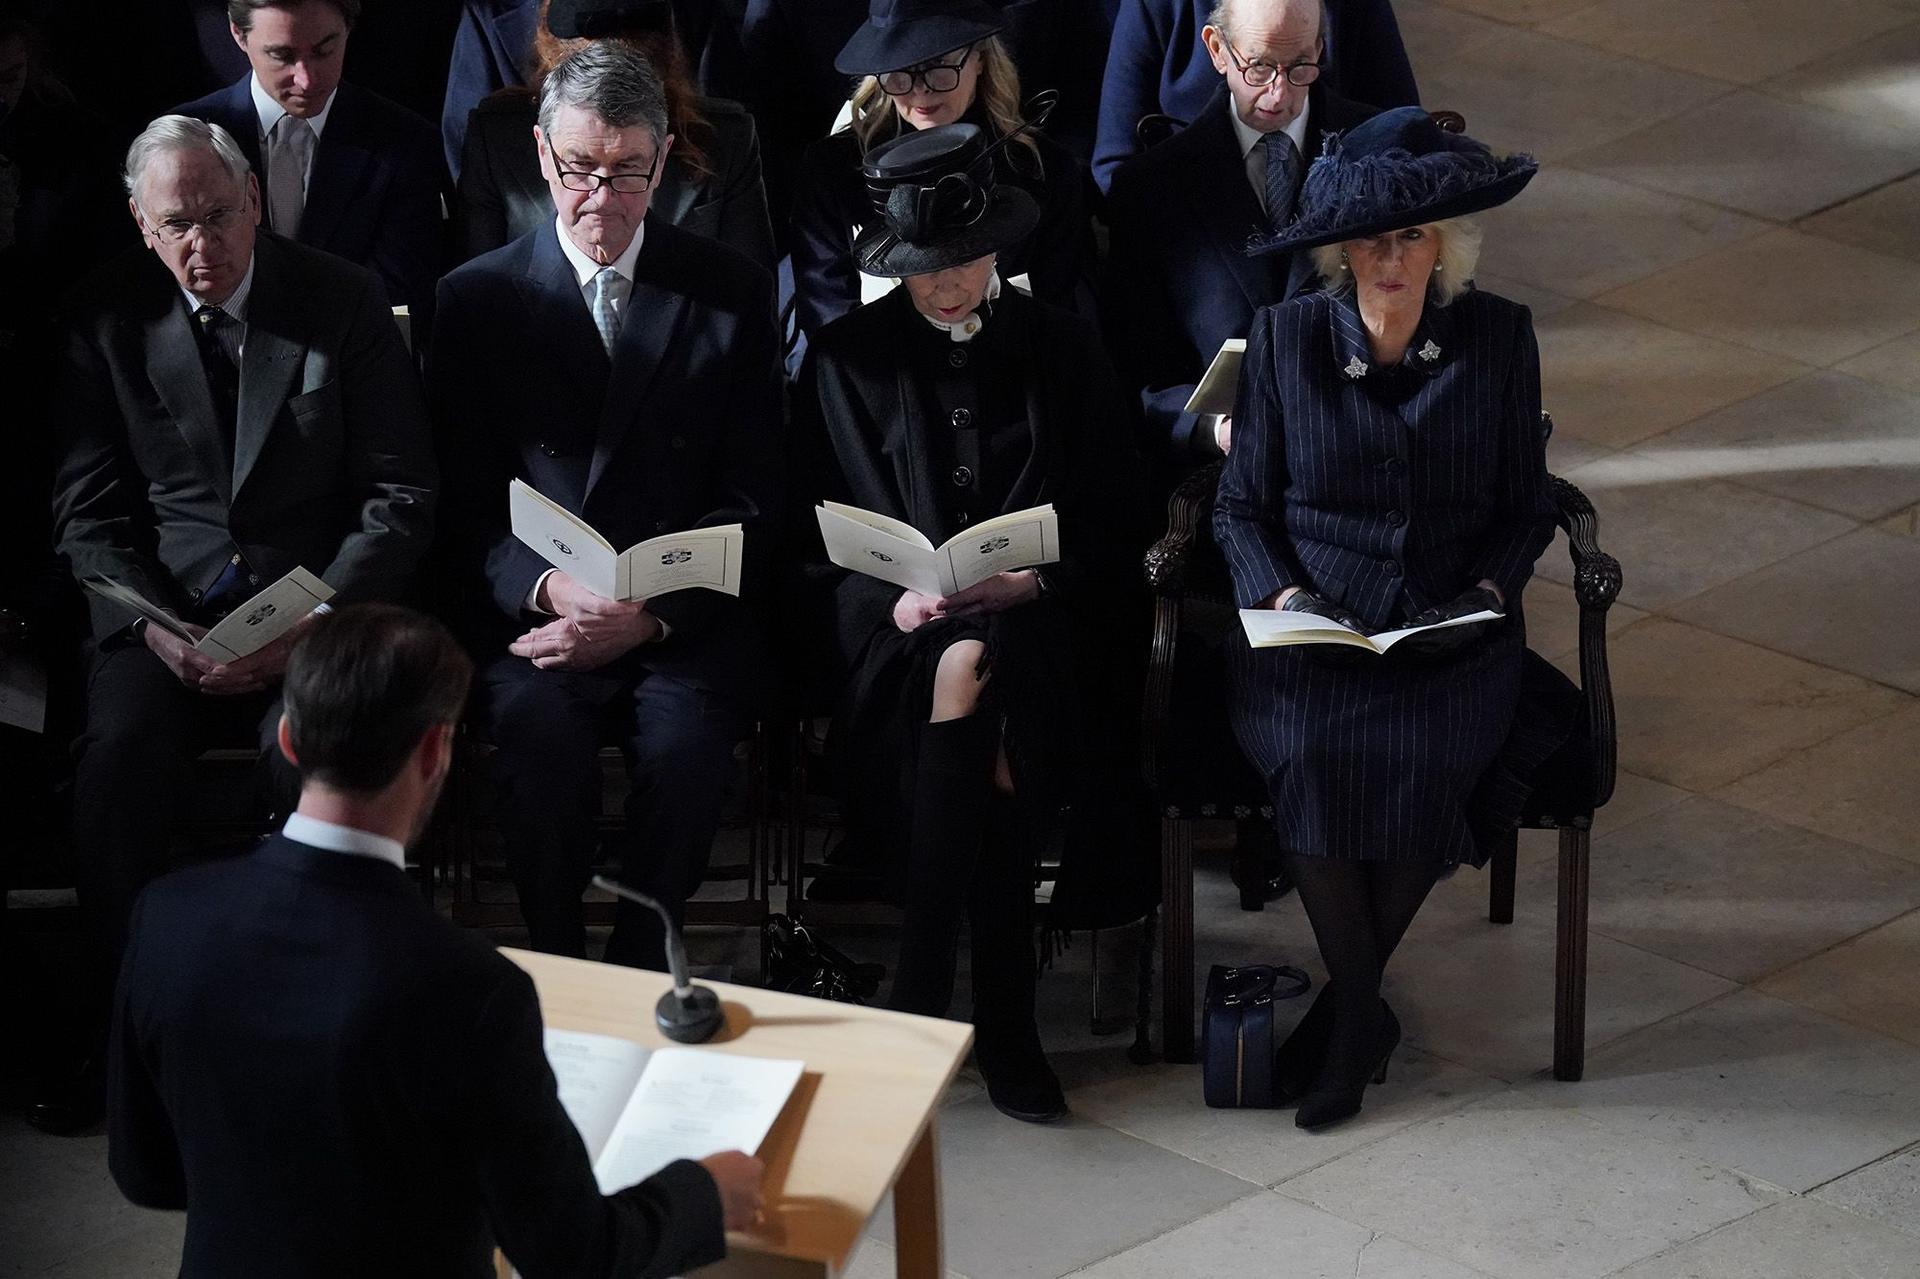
x,y
233,405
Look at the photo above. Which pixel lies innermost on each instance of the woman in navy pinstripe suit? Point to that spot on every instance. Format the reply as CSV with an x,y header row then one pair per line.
x,y
1387,469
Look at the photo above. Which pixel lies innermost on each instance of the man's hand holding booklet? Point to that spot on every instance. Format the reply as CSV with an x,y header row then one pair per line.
x,y
704,557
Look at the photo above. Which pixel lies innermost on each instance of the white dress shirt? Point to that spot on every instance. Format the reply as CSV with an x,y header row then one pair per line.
x,y
270,112
334,838
1256,155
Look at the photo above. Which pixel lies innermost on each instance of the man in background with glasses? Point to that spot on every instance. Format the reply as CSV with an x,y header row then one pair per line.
x,y
233,406
627,370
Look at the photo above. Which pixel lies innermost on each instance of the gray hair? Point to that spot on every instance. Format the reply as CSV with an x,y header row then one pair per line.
x,y
1453,267
610,79
182,133
1220,15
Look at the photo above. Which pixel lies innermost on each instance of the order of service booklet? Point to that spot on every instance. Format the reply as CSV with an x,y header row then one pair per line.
x,y
247,629
1268,628
639,1109
894,551
706,557
1219,385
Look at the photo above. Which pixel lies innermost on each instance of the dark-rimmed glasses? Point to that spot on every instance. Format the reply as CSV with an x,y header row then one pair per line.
x,y
938,77
214,223
1259,75
621,183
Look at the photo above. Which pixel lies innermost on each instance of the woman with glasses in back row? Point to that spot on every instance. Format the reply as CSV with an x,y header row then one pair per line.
x,y
926,63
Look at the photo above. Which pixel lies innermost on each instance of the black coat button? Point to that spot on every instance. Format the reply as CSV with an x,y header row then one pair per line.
x,y
961,417
253,579
1391,566
1396,518
193,597
549,450
659,526
1394,466
678,441
957,357
962,476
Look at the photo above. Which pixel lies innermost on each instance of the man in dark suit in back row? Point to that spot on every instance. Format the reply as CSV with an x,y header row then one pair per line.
x,y
230,407
1181,213
626,369
341,168
332,1080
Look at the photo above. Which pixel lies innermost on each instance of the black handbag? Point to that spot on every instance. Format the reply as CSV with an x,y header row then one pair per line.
x,y
1236,1047
801,964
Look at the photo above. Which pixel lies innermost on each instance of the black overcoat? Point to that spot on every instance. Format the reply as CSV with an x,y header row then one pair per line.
x,y
1387,491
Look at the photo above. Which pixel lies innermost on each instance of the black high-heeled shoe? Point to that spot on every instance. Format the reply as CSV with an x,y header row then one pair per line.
x,y
1341,1100
1020,1082
1297,1062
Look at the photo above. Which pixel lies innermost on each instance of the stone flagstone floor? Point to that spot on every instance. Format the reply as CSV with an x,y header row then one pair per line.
x,y
1723,257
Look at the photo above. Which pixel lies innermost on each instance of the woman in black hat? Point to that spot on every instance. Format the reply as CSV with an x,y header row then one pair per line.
x,y
967,722
711,183
1387,470
920,64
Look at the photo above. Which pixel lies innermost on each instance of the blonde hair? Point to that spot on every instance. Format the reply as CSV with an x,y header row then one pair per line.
x,y
1453,267
997,90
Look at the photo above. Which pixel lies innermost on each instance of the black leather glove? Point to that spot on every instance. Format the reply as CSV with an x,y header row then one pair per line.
x,y
1307,602
1453,638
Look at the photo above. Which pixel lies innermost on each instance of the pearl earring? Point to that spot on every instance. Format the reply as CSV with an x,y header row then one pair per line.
x,y
1343,261
1438,267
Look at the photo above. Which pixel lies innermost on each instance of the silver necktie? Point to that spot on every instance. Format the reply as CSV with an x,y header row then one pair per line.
x,y
287,159
605,318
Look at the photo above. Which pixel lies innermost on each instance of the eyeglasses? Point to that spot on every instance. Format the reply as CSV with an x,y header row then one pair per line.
x,y
621,183
214,224
939,77
1259,75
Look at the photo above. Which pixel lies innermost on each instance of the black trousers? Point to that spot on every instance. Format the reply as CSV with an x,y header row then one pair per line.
x,y
133,775
548,728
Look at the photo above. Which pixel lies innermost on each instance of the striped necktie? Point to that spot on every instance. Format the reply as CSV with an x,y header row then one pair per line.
x,y
605,318
1283,177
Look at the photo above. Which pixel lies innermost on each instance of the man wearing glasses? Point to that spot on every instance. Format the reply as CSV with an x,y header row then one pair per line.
x,y
627,370
233,406
1182,212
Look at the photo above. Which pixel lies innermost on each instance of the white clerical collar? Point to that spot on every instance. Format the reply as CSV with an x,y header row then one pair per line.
x,y
1251,137
270,111
968,326
235,304
334,838
585,268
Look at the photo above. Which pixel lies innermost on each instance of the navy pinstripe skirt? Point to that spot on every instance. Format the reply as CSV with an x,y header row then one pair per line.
x,y
1376,758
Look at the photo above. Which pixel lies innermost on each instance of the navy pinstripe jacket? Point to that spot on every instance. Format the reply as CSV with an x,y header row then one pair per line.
x,y
1386,510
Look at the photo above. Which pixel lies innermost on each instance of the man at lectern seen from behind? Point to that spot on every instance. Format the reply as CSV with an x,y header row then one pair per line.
x,y
332,1080
627,370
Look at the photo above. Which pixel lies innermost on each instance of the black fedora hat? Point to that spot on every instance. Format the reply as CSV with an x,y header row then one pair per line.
x,y
903,33
1397,169
939,203
597,19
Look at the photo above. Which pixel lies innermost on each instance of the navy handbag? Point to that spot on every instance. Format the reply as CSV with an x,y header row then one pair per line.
x,y
1236,1050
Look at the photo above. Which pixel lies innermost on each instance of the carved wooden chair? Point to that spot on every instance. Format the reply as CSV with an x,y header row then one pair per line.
x,y
1195,768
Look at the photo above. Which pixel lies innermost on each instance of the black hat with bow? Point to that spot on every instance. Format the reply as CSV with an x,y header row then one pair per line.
x,y
939,203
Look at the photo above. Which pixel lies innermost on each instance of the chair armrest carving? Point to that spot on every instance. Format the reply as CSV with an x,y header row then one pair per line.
x,y
1596,584
1191,503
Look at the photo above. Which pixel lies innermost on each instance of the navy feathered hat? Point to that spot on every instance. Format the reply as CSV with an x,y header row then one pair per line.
x,y
1397,169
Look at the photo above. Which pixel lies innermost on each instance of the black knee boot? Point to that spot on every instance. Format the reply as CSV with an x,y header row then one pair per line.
x,y
1006,1042
949,813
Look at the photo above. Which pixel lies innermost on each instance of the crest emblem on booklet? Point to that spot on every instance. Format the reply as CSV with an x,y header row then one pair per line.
x,y
676,557
261,614
563,548
993,544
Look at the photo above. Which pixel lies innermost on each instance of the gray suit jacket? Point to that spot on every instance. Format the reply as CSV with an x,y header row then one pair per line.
x,y
332,467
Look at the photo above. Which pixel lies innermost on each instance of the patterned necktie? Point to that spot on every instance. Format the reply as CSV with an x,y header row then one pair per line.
x,y
605,318
1283,177
287,158
219,336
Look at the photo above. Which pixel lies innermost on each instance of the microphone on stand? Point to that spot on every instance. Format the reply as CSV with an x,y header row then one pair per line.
x,y
687,1014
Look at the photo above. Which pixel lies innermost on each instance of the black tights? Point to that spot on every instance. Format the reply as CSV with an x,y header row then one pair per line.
x,y
1359,912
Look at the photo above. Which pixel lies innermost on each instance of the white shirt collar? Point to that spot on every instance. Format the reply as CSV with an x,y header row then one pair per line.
x,y
1251,137
585,268
334,838
236,302
270,111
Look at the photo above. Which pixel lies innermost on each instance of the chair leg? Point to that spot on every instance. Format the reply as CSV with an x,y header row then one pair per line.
x,y
796,825
1570,964
1500,877
1140,1052
1176,941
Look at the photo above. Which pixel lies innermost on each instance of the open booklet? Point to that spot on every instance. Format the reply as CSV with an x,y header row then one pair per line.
x,y
639,1109
708,557
1267,628
247,629
1219,385
894,551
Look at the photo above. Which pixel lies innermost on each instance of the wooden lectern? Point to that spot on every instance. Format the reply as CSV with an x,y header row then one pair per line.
x,y
860,1122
